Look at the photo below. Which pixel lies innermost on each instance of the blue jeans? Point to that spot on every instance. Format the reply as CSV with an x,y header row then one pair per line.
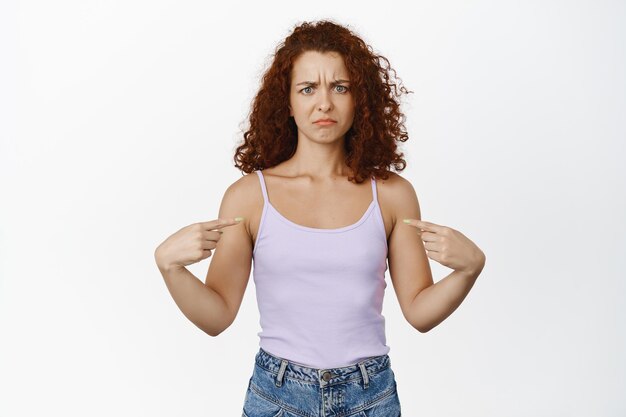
x,y
280,388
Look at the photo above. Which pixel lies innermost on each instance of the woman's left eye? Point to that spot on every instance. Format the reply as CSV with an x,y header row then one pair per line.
x,y
345,89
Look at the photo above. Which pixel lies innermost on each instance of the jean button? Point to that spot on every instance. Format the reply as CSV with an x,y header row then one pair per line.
x,y
326,376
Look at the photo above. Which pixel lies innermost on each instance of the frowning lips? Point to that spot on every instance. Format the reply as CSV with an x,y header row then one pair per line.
x,y
325,120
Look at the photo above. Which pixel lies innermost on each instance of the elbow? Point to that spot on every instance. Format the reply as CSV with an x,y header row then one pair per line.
x,y
422,329
419,327
217,328
211,329
220,323
214,332
412,318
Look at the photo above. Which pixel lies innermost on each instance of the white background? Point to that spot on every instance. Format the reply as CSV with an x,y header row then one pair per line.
x,y
118,124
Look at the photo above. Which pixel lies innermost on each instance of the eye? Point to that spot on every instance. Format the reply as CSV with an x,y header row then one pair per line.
x,y
305,88
344,87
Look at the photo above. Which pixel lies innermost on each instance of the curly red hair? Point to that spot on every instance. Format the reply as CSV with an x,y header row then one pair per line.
x,y
370,143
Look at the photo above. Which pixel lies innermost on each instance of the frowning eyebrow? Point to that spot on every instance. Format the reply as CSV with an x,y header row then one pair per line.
x,y
315,84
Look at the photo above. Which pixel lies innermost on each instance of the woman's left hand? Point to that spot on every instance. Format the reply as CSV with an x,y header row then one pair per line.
x,y
449,247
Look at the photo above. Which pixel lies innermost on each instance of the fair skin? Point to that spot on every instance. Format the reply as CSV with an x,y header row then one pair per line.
x,y
311,189
319,152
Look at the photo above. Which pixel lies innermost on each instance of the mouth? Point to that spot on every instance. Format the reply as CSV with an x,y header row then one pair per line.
x,y
325,122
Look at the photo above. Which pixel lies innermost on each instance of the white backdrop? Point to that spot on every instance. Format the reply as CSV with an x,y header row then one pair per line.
x,y
118,124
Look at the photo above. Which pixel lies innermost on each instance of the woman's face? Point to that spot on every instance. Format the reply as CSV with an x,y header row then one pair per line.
x,y
320,89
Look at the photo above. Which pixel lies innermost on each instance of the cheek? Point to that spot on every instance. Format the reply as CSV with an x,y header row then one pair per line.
x,y
351,114
297,108
350,106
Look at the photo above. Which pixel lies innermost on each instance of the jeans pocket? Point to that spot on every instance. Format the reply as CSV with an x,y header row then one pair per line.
x,y
386,407
256,405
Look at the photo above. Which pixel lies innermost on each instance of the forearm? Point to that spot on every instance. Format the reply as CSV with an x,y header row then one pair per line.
x,y
434,304
199,303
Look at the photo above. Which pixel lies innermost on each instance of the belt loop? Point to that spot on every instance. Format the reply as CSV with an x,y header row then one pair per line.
x,y
281,372
366,378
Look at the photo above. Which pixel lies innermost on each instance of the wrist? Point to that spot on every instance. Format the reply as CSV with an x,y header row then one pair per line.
x,y
164,265
170,267
474,270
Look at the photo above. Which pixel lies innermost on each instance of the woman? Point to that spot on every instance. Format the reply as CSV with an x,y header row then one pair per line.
x,y
320,215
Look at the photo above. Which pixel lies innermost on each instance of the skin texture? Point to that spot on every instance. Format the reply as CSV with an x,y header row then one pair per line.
x,y
311,189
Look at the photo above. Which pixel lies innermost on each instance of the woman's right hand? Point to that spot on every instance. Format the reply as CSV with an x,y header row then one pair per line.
x,y
191,244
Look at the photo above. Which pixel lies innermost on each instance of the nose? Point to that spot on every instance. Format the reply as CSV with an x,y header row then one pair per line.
x,y
325,103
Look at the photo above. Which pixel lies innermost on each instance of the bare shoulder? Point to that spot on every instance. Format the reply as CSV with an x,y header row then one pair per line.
x,y
396,192
241,188
394,181
243,196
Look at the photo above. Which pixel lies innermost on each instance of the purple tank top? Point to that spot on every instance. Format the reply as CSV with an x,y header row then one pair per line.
x,y
320,291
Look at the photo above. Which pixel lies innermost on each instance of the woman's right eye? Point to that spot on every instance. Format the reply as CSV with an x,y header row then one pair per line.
x,y
305,88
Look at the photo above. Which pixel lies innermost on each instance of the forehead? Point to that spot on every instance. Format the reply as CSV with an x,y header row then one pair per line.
x,y
311,64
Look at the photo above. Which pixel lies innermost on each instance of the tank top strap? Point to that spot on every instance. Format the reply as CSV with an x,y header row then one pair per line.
x,y
374,194
262,181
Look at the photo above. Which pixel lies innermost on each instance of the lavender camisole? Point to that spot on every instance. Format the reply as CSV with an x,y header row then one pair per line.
x,y
320,291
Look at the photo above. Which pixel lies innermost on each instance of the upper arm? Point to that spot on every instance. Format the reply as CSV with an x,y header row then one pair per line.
x,y
409,267
229,270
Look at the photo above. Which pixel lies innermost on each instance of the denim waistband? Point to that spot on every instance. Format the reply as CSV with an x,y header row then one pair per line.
x,y
284,368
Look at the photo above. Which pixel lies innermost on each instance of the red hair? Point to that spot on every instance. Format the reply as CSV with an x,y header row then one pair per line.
x,y
370,143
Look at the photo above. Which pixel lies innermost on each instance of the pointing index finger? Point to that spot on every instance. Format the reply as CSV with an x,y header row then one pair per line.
x,y
421,224
428,226
221,223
